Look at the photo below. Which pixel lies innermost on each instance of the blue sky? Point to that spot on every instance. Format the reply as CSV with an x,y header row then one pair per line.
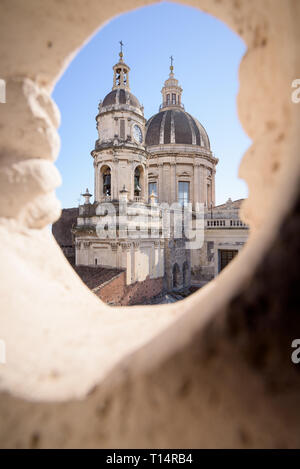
x,y
206,60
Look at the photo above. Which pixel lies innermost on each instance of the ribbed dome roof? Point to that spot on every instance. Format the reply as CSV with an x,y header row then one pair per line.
x,y
120,96
175,126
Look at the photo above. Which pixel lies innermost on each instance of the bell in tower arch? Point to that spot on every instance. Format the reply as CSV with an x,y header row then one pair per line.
x,y
107,183
137,187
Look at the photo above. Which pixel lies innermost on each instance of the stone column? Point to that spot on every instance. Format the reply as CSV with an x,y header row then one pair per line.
x,y
213,187
145,179
130,179
156,264
161,259
166,185
202,184
152,261
160,183
97,182
114,180
197,184
77,253
134,271
126,261
173,183
115,257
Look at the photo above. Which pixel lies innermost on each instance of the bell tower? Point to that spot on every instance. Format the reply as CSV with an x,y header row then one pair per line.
x,y
120,155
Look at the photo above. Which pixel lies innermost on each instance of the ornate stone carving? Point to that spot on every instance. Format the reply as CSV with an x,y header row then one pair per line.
x,y
126,246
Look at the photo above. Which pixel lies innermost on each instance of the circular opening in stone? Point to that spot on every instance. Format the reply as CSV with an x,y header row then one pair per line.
x,y
183,161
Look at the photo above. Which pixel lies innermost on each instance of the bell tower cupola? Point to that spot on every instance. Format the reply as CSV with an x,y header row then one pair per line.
x,y
171,92
121,73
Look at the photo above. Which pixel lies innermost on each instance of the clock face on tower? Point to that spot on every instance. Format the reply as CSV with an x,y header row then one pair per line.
x,y
137,134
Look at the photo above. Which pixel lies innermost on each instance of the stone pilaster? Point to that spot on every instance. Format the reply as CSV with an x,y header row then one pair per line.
x,y
166,180
213,190
134,261
160,183
115,179
203,184
156,263
126,261
197,183
173,182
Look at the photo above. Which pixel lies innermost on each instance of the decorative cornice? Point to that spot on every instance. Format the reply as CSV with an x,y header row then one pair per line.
x,y
121,107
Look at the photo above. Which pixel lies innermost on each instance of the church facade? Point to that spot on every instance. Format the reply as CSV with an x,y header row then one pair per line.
x,y
147,172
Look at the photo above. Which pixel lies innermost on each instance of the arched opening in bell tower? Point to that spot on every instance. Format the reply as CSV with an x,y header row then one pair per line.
x,y
139,186
105,182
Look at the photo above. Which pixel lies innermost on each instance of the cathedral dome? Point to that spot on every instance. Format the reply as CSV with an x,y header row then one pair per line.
x,y
120,96
175,126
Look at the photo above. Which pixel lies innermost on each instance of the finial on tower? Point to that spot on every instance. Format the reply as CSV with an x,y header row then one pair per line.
x,y
171,66
121,51
86,196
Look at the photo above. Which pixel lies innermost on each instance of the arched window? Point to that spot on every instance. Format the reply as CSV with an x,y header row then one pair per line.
x,y
107,182
168,99
183,192
152,188
137,182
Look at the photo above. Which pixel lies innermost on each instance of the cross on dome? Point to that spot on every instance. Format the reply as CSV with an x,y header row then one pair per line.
x,y
121,51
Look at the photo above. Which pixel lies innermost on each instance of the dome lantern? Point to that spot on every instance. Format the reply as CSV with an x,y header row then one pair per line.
x,y
121,73
171,92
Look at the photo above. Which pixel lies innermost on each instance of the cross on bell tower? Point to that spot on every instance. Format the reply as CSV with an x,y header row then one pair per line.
x,y
121,44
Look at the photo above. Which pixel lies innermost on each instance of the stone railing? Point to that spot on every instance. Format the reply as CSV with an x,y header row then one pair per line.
x,y
105,198
225,223
138,198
